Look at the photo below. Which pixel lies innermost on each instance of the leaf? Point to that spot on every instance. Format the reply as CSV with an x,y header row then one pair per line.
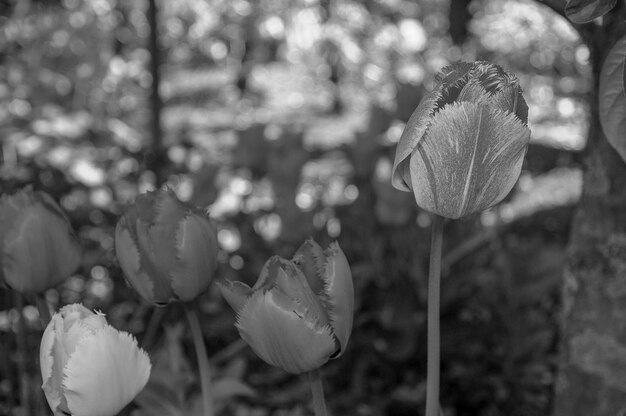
x,y
612,98
584,11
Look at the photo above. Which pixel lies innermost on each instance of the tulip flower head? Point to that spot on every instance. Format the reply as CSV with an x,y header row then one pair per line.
x,y
38,248
462,150
88,367
167,249
298,315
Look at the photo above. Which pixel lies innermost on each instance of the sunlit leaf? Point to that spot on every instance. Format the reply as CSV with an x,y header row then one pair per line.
x,y
612,98
584,11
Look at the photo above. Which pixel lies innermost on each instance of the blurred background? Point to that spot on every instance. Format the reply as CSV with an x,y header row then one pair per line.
x,y
281,118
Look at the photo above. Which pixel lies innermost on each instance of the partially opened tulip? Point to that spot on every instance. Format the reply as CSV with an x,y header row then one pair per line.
x,y
462,150
167,249
88,367
298,315
38,248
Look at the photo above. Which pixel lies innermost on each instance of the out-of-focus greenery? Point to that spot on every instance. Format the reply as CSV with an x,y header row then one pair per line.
x,y
281,118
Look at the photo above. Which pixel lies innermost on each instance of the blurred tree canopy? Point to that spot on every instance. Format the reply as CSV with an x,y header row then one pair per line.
x,y
281,118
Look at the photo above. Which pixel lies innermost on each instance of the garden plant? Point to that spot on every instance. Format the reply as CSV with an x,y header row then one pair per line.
x,y
313,207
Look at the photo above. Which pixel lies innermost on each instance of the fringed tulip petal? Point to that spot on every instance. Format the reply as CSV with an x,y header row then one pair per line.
x,y
105,372
310,259
411,136
196,234
235,293
469,159
283,333
339,293
291,281
51,385
129,260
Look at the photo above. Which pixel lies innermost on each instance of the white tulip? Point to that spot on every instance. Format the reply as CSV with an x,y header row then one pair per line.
x,y
88,367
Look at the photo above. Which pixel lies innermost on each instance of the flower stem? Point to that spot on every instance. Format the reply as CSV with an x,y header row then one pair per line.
x,y
42,307
317,390
434,277
203,360
21,356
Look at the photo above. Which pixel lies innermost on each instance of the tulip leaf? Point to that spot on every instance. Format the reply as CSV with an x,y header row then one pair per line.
x,y
584,11
612,104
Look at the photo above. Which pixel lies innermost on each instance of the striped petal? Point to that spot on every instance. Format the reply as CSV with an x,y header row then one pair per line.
x,y
283,333
105,372
469,159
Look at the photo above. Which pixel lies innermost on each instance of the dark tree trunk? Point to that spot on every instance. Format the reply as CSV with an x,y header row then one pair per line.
x,y
592,368
155,157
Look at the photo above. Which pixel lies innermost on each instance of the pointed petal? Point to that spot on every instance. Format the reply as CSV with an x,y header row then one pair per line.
x,y
267,276
292,282
411,136
510,99
105,373
129,260
196,245
235,293
474,92
339,293
153,265
310,259
469,160
282,333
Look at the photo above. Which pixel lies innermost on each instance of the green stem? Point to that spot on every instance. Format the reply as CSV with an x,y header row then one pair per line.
x,y
317,390
21,356
434,286
43,308
203,360
153,327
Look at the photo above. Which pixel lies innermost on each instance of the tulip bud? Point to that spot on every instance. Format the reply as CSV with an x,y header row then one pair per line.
x,y
298,315
38,247
462,149
88,367
167,249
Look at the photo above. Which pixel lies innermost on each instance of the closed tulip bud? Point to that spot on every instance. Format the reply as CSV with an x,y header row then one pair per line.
x,y
167,249
298,315
88,367
462,149
38,249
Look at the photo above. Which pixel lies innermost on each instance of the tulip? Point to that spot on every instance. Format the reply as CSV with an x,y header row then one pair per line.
x,y
167,249
88,367
298,315
38,249
462,149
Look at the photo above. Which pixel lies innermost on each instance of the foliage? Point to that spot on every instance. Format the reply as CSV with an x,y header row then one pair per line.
x,y
281,118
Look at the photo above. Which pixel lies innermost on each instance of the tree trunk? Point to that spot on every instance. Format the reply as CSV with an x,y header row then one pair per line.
x,y
592,368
